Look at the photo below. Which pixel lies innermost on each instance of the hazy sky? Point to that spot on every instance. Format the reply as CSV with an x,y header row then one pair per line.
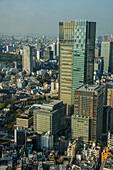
x,y
43,16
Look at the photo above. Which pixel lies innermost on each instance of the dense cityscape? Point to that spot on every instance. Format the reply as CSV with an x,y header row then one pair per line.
x,y
56,100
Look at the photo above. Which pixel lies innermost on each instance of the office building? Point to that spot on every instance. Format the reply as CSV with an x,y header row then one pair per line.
x,y
46,141
19,136
107,54
49,116
10,48
107,119
25,120
57,48
88,112
96,52
98,67
76,58
27,60
81,125
110,140
110,97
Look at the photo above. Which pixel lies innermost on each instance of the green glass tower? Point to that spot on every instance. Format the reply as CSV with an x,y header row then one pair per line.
x,y
76,58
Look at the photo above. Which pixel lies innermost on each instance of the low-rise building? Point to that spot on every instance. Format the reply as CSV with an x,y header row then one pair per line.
x,y
25,120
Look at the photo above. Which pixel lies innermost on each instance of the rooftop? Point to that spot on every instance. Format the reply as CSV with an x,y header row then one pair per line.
x,y
92,88
49,105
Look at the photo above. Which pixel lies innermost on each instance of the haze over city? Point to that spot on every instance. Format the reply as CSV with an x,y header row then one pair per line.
x,y
42,17
56,84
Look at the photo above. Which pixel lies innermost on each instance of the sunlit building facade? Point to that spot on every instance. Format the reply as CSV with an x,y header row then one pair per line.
x,y
76,58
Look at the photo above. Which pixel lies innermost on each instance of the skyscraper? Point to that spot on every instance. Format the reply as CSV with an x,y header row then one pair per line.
x,y
107,53
87,121
76,57
27,60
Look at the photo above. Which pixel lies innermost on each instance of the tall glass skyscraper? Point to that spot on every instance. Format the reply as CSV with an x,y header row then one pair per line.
x,y
76,58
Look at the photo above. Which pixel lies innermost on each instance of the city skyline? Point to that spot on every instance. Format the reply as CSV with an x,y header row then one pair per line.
x,y
42,17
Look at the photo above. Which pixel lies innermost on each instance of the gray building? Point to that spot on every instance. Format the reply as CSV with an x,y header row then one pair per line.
x,y
107,53
27,60
98,67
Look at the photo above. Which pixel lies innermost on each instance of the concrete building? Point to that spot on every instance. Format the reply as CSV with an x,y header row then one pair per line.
x,y
49,116
110,140
96,52
9,48
54,86
19,136
82,126
107,119
27,60
76,58
88,108
46,141
20,83
38,55
25,120
107,53
110,97
73,148
98,67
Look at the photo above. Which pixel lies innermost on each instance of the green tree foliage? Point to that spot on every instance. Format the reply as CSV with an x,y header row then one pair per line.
x,y
2,105
8,59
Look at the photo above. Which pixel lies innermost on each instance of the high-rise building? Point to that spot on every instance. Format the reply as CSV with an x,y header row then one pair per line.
x,y
27,60
107,53
49,116
110,97
98,67
76,57
107,119
46,141
87,121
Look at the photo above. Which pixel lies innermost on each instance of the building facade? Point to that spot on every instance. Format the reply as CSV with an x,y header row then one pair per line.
x,y
27,60
76,57
88,110
98,67
110,97
81,124
50,117
107,53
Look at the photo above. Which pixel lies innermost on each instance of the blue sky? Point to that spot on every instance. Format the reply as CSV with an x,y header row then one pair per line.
x,y
42,16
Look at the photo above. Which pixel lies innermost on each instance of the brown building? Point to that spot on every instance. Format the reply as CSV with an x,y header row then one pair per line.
x,y
88,109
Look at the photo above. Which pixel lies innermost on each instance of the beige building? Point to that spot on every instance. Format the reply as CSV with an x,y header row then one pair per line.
x,y
49,116
24,120
110,98
27,59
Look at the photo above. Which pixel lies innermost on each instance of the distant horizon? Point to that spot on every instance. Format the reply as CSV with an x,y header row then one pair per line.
x,y
35,34
43,17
